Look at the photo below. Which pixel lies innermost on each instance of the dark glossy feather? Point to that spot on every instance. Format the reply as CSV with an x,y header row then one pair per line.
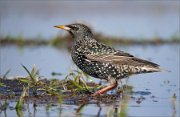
x,y
123,59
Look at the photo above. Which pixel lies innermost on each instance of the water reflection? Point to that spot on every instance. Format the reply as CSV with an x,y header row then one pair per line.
x,y
174,105
19,112
121,108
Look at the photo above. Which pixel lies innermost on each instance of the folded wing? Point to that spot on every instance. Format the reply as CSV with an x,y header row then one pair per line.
x,y
125,59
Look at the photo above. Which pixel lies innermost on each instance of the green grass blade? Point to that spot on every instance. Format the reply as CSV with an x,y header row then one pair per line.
x,y
4,76
19,104
27,71
2,84
5,104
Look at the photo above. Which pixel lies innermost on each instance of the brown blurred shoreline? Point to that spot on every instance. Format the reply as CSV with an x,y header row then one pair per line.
x,y
67,40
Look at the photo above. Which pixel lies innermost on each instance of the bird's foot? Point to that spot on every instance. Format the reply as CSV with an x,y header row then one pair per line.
x,y
97,93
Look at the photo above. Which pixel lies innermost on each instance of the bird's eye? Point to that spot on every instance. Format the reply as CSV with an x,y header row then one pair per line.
x,y
74,28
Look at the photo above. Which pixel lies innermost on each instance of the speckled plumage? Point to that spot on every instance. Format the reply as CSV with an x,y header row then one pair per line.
x,y
102,61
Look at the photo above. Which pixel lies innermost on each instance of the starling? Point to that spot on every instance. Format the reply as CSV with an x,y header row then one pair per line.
x,y
101,61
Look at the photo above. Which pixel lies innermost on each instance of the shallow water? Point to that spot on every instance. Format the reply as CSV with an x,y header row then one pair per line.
x,y
46,58
152,92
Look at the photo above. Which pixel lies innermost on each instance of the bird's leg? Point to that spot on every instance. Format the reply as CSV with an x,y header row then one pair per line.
x,y
113,85
121,90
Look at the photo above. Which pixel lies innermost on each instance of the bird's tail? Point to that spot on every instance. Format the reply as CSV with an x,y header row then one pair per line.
x,y
154,69
164,70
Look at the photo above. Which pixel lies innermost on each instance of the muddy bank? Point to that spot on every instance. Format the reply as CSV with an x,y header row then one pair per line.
x,y
66,41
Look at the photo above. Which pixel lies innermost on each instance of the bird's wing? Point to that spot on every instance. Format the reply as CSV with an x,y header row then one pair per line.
x,y
116,59
105,49
121,53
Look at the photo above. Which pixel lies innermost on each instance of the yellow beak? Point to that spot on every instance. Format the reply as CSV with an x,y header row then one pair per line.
x,y
62,27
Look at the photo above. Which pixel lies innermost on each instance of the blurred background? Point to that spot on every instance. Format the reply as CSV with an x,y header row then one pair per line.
x,y
134,19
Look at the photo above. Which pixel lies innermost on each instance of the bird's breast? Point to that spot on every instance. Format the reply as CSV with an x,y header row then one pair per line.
x,y
77,55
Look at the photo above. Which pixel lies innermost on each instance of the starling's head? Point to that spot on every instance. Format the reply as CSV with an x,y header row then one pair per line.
x,y
76,29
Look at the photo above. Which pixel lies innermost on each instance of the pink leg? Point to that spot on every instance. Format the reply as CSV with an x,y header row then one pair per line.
x,y
112,86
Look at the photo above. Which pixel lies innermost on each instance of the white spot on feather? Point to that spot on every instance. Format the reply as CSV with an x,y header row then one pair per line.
x,y
150,69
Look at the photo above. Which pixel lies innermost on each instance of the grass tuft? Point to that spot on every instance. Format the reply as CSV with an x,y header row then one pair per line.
x,y
33,78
